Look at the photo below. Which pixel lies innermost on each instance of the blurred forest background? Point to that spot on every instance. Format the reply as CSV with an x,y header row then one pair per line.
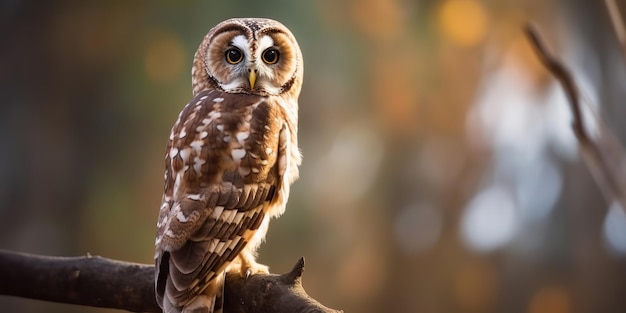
x,y
440,171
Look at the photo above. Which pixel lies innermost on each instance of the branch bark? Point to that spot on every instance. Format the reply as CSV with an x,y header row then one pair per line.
x,y
101,282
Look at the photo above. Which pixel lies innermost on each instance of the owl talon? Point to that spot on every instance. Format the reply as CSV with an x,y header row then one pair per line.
x,y
251,267
248,273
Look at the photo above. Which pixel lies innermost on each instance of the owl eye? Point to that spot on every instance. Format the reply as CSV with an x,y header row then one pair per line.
x,y
233,56
270,56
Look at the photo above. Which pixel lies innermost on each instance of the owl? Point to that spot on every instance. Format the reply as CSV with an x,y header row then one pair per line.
x,y
231,158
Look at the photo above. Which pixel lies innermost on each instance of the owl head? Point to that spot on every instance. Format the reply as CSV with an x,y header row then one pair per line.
x,y
249,55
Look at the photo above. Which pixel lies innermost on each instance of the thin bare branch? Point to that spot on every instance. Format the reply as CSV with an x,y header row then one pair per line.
x,y
602,151
563,75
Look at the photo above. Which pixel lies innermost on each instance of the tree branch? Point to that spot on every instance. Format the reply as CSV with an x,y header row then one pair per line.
x,y
618,23
101,282
603,153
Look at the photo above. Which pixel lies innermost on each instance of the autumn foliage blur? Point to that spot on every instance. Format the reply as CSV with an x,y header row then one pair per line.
x,y
440,172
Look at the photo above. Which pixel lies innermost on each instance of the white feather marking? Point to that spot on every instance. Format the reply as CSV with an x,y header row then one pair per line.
x,y
235,84
181,217
241,42
195,197
169,233
271,90
284,137
231,243
220,247
255,170
203,97
226,244
282,165
213,244
197,145
234,242
217,212
213,115
197,165
238,154
173,152
265,42
220,127
161,222
182,134
203,135
218,100
228,215
268,150
241,136
238,217
184,154
177,183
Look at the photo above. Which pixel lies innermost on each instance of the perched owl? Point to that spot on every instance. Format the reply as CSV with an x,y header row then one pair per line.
x,y
231,157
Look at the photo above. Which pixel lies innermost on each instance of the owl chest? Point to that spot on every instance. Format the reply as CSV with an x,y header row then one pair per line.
x,y
239,145
249,144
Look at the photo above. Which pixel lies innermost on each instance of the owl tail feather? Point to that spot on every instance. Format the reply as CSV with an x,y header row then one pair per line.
x,y
201,304
212,301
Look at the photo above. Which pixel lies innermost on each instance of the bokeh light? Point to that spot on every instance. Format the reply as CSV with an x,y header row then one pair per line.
x,y
614,229
463,22
490,220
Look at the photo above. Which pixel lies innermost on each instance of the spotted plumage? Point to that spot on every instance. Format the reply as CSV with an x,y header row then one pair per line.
x,y
231,158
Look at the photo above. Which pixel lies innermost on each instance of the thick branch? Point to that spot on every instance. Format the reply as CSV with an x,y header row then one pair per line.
x,y
100,282
90,280
603,153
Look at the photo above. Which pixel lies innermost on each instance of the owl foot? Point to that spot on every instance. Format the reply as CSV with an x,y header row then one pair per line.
x,y
247,266
254,269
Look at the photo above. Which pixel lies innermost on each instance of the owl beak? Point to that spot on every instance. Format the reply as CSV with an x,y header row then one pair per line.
x,y
252,78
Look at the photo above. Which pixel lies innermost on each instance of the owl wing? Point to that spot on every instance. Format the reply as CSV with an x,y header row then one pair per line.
x,y
221,177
